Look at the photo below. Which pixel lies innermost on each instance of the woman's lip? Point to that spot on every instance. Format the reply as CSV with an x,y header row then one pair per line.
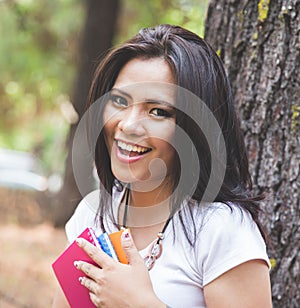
x,y
125,158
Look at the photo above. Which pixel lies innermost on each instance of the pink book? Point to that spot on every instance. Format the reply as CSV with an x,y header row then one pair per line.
x,y
68,276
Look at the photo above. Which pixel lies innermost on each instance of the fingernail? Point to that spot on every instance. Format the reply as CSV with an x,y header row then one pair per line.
x,y
80,280
79,241
76,263
126,235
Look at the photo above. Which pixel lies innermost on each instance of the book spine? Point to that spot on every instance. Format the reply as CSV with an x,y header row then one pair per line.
x,y
92,237
115,239
107,246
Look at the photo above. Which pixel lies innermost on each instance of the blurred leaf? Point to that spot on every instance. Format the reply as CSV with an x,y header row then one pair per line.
x,y
37,65
138,14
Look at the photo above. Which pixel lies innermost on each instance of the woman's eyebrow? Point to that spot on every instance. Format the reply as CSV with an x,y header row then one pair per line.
x,y
157,101
154,101
121,92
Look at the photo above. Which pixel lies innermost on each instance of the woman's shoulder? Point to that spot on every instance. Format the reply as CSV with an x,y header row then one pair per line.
x,y
226,236
221,223
213,212
226,214
89,203
217,222
83,216
219,214
87,213
231,220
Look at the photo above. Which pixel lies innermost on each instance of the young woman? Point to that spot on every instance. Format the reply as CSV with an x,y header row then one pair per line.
x,y
172,166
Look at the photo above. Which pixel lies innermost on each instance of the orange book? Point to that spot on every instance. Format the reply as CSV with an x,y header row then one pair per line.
x,y
115,239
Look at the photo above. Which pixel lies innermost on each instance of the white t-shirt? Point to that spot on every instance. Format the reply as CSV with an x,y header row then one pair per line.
x,y
226,239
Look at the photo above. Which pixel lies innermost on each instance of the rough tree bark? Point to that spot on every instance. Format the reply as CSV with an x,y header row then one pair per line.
x,y
259,42
98,32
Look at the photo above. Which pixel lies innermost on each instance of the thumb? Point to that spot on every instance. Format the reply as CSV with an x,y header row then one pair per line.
x,y
129,248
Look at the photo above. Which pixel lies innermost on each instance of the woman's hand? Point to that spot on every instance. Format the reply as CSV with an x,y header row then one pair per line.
x,y
115,284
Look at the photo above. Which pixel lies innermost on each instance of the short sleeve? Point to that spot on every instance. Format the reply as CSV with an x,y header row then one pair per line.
x,y
228,238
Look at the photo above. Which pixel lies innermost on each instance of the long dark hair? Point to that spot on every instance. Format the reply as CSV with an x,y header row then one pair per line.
x,y
197,68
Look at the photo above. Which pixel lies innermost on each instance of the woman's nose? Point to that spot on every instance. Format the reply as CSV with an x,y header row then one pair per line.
x,y
132,122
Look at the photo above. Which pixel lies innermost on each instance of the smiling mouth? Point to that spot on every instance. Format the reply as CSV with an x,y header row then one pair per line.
x,y
132,150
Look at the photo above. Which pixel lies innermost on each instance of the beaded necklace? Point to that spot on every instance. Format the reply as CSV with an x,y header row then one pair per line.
x,y
155,250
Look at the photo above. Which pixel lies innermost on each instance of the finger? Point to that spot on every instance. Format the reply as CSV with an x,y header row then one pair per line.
x,y
97,254
89,269
130,249
90,284
95,299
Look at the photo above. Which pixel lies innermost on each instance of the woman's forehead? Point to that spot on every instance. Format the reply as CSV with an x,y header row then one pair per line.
x,y
139,69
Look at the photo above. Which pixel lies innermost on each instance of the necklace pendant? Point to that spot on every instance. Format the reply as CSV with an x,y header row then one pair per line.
x,y
156,250
149,262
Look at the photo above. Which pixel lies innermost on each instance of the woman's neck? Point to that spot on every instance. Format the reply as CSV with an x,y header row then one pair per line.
x,y
141,197
146,208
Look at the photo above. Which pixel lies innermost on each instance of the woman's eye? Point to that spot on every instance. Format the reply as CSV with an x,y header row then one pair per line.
x,y
119,100
158,112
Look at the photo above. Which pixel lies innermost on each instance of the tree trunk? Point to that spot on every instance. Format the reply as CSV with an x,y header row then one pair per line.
x,y
98,32
259,43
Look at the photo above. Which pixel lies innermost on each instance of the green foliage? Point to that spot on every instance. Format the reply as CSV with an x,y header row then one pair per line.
x,y
37,66
138,14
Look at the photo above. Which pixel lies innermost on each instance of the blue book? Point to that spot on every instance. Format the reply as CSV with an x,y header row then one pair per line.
x,y
107,246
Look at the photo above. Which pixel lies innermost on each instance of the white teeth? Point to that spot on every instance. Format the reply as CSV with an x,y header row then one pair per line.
x,y
130,148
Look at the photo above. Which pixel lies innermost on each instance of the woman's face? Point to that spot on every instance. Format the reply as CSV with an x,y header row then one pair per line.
x,y
139,122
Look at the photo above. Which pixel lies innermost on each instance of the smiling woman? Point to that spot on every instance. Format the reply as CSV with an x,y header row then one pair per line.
x,y
168,122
